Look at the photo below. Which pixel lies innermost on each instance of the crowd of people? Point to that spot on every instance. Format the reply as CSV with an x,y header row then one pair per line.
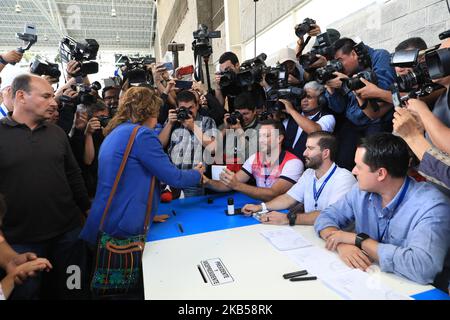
x,y
372,176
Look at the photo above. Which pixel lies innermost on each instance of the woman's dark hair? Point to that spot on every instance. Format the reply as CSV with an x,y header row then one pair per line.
x,y
387,151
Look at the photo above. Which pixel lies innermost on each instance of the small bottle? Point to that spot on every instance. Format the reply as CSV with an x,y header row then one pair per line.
x,y
230,206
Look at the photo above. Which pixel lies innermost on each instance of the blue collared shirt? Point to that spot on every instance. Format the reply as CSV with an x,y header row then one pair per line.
x,y
348,104
413,235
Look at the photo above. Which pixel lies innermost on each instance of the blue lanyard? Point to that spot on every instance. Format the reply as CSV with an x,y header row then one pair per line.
x,y
3,112
400,200
318,193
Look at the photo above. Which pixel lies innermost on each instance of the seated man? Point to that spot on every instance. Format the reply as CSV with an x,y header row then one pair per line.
x,y
313,117
401,224
274,169
321,185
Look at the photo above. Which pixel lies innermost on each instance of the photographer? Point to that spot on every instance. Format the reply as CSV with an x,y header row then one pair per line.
x,y
361,118
100,117
186,134
110,96
228,62
312,118
209,105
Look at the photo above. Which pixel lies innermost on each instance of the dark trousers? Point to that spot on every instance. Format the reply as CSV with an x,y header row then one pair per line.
x,y
68,255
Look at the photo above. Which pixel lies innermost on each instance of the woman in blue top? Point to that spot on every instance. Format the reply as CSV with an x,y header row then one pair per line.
x,y
138,106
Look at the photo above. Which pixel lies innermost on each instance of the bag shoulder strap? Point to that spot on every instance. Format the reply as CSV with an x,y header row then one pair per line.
x,y
149,206
119,174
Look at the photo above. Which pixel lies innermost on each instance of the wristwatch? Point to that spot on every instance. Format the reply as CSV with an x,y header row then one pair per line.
x,y
263,206
292,217
3,61
360,237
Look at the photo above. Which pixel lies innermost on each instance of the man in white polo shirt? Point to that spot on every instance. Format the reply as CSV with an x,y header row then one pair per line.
x,y
321,185
274,169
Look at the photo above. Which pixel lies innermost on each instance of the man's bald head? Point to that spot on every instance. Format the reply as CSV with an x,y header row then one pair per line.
x,y
25,82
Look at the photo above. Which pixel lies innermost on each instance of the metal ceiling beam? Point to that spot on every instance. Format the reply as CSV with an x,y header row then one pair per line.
x,y
44,12
54,9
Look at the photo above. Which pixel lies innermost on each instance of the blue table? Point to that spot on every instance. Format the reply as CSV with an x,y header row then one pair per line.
x,y
196,216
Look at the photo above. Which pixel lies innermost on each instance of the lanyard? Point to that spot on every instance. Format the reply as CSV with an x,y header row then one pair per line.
x,y
2,112
318,193
400,200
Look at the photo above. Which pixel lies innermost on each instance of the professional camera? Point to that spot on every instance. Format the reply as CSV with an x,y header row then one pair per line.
x,y
324,47
183,114
303,28
325,74
227,78
419,76
277,77
82,52
137,73
202,41
355,83
47,69
104,121
234,118
252,71
85,96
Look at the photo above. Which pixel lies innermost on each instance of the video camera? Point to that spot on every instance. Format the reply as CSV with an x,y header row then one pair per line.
x,y
47,68
324,48
85,96
252,72
202,41
137,72
82,52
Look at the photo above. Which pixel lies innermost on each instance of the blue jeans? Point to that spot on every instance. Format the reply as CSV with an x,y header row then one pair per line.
x,y
63,251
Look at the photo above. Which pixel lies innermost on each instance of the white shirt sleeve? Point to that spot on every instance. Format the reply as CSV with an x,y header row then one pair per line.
x,y
247,166
297,192
344,183
293,170
327,123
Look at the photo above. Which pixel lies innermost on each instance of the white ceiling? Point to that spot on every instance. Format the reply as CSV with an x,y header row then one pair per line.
x,y
134,24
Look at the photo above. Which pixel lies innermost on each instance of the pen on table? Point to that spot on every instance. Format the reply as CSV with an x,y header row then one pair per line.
x,y
180,227
295,274
174,213
303,279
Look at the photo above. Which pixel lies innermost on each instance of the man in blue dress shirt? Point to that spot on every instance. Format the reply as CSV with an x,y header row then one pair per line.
x,y
402,225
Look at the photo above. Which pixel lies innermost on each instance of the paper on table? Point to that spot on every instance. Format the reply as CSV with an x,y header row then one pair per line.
x,y
320,261
349,283
285,239
358,285
216,171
